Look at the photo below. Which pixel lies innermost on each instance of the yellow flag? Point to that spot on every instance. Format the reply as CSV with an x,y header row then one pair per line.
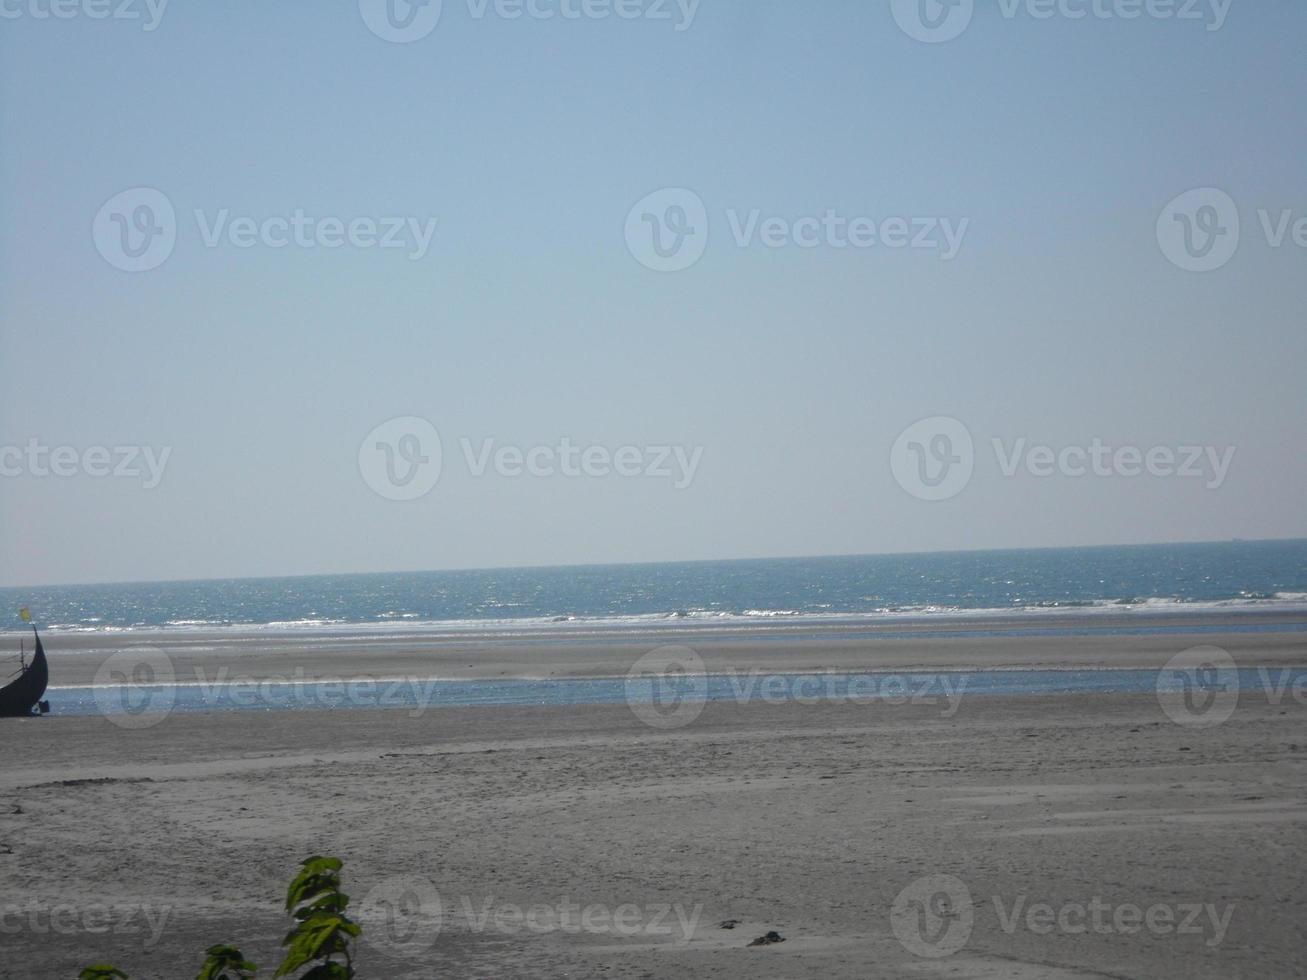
x,y
27,616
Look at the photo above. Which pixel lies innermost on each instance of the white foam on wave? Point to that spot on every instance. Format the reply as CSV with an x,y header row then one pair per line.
x,y
904,614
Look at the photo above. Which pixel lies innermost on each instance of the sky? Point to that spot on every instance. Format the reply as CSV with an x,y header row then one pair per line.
x,y
725,280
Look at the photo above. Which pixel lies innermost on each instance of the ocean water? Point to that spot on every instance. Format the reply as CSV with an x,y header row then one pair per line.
x,y
942,691
1227,576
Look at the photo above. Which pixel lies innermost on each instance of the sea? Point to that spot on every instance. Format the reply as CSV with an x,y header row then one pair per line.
x,y
1240,586
1226,577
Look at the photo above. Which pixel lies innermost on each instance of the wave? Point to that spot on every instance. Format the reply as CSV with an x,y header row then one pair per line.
x,y
905,613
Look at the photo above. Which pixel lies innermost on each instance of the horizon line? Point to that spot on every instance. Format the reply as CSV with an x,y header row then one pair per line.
x,y
630,564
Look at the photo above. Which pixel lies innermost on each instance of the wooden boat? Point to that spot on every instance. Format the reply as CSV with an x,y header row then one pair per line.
x,y
21,696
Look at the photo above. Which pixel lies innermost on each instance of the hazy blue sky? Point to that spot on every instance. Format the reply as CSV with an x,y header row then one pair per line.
x,y
1060,319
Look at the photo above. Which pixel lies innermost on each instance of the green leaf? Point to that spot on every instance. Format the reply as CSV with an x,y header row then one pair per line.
x,y
328,971
319,864
335,902
318,874
102,972
307,887
322,931
222,958
314,938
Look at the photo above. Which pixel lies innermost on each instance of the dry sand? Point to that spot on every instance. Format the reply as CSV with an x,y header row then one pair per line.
x,y
807,819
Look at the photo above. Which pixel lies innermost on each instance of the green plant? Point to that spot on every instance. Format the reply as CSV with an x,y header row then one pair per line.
x,y
226,963
323,930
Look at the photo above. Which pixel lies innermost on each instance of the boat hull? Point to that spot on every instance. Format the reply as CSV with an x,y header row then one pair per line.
x,y
19,697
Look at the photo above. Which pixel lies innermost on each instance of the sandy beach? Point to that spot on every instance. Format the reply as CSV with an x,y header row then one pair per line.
x,y
1044,836
660,490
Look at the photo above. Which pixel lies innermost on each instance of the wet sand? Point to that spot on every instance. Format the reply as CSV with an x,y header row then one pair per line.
x,y
808,819
569,652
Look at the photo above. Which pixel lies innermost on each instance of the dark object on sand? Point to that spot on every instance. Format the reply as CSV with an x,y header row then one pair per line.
x,y
728,923
767,940
20,696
